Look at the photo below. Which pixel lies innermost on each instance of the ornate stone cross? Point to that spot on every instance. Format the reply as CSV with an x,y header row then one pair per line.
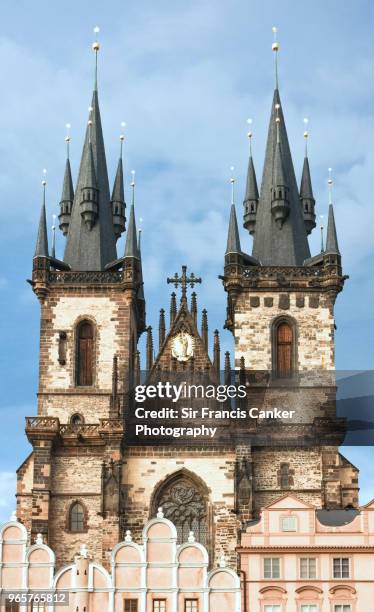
x,y
184,280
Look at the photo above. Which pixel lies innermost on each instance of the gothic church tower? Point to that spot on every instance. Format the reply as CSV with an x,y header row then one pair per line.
x,y
92,314
280,310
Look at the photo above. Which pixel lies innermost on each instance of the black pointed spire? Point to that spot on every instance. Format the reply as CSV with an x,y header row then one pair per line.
x,y
41,248
306,192
227,370
233,240
251,198
92,249
331,236
204,328
173,307
194,306
275,243
131,246
89,193
217,354
67,199
161,329
118,201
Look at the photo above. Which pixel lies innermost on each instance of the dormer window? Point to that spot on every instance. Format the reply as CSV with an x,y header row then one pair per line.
x,y
289,523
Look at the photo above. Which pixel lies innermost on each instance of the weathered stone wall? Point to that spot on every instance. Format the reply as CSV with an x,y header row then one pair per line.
x,y
145,468
255,313
305,467
109,308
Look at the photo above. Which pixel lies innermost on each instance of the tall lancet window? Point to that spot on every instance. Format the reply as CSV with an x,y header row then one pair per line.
x,y
284,349
85,354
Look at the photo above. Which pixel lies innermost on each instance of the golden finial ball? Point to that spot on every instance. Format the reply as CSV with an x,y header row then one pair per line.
x,y
249,134
275,46
89,122
67,139
122,137
44,182
96,46
277,120
306,134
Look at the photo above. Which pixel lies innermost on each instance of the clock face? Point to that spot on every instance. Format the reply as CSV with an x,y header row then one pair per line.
x,y
182,346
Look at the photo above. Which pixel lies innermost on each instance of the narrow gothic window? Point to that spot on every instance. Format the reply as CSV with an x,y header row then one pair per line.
x,y
76,522
85,354
284,476
284,350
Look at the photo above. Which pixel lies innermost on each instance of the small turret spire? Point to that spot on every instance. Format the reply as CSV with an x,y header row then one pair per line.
x,y
306,192
89,202
41,248
194,306
251,194
331,235
161,329
204,328
233,240
279,193
118,197
131,247
67,197
173,308
217,354
53,253
227,368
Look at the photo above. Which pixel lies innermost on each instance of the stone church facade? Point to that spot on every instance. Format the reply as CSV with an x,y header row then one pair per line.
x,y
88,480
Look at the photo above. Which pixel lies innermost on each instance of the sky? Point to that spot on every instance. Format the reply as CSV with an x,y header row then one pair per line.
x,y
185,77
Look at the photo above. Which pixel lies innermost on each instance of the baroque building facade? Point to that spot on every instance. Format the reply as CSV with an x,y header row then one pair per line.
x,y
89,479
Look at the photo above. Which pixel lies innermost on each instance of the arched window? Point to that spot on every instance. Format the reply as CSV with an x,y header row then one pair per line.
x,y
76,518
284,349
76,420
284,476
85,354
185,504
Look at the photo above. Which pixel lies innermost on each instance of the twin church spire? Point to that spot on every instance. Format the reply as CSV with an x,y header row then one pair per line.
x,y
281,216
91,219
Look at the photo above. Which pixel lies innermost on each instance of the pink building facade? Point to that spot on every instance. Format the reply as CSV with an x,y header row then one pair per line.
x,y
155,576
299,559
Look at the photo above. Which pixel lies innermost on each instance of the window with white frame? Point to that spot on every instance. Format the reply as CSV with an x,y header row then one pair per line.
x,y
159,605
342,608
272,608
272,567
308,568
341,567
308,608
289,523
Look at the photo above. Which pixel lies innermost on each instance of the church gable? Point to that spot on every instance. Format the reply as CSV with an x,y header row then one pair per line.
x,y
183,348
288,502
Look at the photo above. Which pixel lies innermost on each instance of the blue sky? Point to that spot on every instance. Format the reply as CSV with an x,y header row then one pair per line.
x,y
185,76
